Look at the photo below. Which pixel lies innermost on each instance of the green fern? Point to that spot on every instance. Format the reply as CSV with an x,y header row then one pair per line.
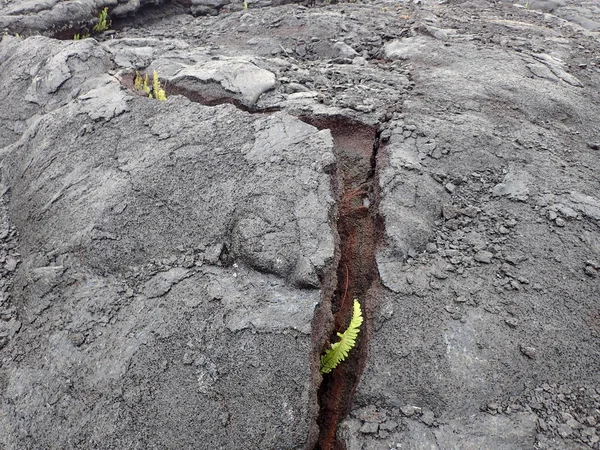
x,y
142,84
339,351
159,92
103,23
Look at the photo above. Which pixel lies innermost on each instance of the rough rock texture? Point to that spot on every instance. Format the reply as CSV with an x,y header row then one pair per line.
x,y
142,320
161,262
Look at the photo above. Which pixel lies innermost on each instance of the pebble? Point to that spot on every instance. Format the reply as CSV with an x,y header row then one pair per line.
x,y
483,256
428,418
552,215
530,352
511,223
590,271
470,211
564,430
515,258
559,222
511,322
371,414
11,263
565,416
450,211
410,410
440,275
566,211
592,263
385,135
187,359
450,187
388,425
369,428
77,339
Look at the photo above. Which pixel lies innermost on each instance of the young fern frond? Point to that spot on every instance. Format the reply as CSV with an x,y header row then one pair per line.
x,y
142,84
138,81
103,23
339,351
145,87
159,92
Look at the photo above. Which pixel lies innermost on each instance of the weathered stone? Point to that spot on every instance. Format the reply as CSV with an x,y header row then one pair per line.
x,y
483,256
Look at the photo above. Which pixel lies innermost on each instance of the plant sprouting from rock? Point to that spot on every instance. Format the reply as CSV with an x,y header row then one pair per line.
x,y
339,351
103,23
142,85
159,92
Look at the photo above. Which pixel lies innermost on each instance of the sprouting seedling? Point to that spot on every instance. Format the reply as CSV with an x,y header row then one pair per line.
x,y
145,87
339,351
245,5
142,84
159,92
103,23
138,82
78,36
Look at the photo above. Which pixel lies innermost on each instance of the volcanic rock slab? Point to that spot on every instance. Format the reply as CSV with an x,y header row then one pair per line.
x,y
155,240
161,262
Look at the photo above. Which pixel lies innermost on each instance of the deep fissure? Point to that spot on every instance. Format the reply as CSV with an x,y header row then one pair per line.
x,y
359,229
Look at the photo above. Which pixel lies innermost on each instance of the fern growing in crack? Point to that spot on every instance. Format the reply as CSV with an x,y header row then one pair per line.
x,y
159,92
339,351
104,21
142,84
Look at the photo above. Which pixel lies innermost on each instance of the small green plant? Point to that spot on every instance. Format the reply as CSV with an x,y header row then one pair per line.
x,y
142,84
339,351
78,36
245,5
159,92
103,23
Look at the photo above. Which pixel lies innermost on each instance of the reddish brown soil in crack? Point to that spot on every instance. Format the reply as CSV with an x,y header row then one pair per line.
x,y
360,229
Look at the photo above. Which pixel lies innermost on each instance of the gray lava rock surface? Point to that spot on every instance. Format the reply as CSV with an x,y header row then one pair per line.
x,y
161,262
